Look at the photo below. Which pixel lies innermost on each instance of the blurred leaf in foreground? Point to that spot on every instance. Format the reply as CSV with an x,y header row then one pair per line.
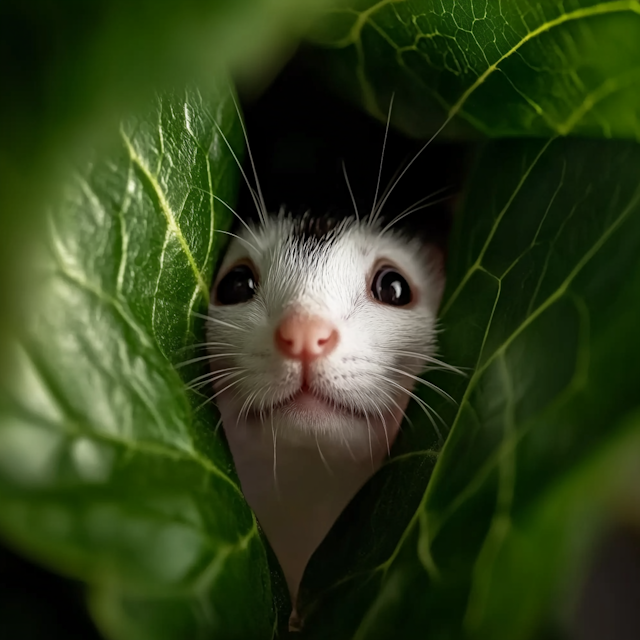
x,y
108,471
69,71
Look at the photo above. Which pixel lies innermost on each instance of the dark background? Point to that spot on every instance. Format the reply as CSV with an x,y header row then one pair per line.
x,y
300,135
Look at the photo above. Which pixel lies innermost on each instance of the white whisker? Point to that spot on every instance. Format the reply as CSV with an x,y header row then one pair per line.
x,y
274,435
235,213
217,393
207,357
408,212
324,462
353,200
431,359
235,157
246,403
372,217
391,399
253,166
202,345
235,235
366,416
428,384
383,201
429,412
221,322
210,398
384,425
210,378
396,173
345,440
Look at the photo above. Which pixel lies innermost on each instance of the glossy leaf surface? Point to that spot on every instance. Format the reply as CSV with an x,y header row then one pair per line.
x,y
109,470
505,68
541,306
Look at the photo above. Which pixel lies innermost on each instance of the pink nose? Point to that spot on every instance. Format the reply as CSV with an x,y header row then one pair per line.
x,y
306,337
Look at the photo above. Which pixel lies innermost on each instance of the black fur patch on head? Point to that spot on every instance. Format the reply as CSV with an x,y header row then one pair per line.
x,y
317,227
431,226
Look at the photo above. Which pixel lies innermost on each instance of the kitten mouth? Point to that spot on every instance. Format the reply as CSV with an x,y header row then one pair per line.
x,y
305,401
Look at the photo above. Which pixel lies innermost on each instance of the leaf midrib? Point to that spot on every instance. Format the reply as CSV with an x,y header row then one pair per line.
x,y
170,217
366,17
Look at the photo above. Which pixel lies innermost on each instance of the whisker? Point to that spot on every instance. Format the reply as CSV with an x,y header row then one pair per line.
x,y
274,434
324,462
426,358
383,201
215,395
235,213
253,166
402,411
408,212
244,175
366,416
344,438
207,357
428,384
428,197
230,375
202,345
353,200
213,373
210,378
372,217
423,405
207,384
384,425
396,173
235,235
221,322
247,404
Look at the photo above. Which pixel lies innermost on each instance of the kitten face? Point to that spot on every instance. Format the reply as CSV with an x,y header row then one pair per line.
x,y
318,330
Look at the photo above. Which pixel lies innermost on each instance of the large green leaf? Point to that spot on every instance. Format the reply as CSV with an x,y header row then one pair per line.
x,y
506,68
109,471
542,308
69,71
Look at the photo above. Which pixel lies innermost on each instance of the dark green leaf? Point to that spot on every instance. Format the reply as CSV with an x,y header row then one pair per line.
x,y
109,471
506,68
542,306
71,69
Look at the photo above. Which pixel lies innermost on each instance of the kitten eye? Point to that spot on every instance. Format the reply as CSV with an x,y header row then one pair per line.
x,y
390,287
239,285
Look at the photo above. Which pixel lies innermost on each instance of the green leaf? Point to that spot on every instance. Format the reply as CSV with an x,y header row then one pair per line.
x,y
109,471
71,69
506,68
541,307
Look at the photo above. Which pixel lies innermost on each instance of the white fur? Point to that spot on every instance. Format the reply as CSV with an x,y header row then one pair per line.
x,y
299,469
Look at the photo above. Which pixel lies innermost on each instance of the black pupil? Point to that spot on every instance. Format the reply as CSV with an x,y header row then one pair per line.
x,y
237,286
391,288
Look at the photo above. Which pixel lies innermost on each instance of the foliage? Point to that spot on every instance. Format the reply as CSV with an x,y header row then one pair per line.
x,y
114,473
110,472
506,68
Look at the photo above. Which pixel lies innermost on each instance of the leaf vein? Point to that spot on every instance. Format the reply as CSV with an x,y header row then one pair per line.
x,y
169,215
